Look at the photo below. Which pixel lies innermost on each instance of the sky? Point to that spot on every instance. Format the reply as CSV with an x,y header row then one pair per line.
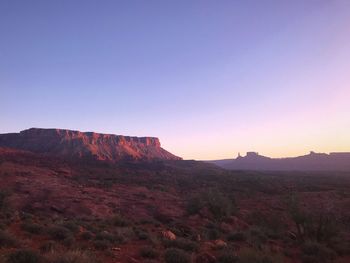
x,y
209,78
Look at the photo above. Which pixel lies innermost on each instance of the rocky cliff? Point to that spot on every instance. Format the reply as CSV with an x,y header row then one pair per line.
x,y
99,146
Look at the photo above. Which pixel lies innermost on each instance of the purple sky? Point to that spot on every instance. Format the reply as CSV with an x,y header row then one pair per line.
x,y
209,78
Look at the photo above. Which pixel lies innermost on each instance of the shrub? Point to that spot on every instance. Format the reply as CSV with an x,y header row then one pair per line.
x,y
59,232
173,255
102,244
316,252
86,235
148,252
112,238
24,256
7,239
254,256
71,226
49,246
32,228
227,257
4,204
217,203
236,236
119,221
72,257
181,243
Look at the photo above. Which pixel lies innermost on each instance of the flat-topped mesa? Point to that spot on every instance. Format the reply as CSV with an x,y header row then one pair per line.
x,y
86,144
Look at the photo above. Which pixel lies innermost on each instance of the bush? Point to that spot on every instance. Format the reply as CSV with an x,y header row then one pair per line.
x,y
24,256
173,255
254,256
119,221
4,204
59,233
72,257
181,243
7,239
217,203
316,252
102,244
148,252
32,228
86,235
227,257
49,246
236,236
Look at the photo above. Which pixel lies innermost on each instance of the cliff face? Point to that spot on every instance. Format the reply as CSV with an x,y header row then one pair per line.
x,y
86,144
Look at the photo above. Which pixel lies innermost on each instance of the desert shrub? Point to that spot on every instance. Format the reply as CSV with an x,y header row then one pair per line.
x,y
315,252
71,226
317,224
141,234
49,246
236,236
256,237
24,256
272,224
227,257
181,243
59,233
32,228
249,255
173,255
148,252
3,196
7,239
112,238
119,221
75,256
86,235
102,244
218,204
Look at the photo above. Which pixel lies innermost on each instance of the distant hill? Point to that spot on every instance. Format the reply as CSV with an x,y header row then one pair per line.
x,y
68,143
337,161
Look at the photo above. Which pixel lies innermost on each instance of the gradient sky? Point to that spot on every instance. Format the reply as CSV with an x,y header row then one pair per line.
x,y
209,78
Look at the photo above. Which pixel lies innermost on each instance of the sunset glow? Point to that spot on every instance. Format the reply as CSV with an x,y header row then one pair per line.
x,y
210,80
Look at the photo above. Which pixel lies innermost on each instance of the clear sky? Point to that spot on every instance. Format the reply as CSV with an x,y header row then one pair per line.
x,y
209,78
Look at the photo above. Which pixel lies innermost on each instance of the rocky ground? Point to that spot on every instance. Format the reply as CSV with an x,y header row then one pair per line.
x,y
62,211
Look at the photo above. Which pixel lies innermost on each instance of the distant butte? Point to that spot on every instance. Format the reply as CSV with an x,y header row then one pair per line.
x,y
335,161
69,143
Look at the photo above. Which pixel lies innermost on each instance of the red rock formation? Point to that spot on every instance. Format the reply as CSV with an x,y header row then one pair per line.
x,y
99,146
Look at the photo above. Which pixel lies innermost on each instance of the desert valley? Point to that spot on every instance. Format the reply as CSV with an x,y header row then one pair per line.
x,y
69,196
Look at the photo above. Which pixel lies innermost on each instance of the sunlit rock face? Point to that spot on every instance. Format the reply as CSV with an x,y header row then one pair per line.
x,y
99,146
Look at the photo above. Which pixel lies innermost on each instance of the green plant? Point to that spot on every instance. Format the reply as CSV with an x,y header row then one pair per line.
x,y
119,221
75,256
316,252
227,257
7,239
181,243
24,256
236,236
102,244
59,232
173,255
249,255
148,252
32,228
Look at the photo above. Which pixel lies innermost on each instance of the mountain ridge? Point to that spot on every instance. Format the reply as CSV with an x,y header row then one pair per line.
x,y
334,161
73,143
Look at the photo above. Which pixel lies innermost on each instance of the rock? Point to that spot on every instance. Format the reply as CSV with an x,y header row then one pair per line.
x,y
219,244
68,143
168,235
